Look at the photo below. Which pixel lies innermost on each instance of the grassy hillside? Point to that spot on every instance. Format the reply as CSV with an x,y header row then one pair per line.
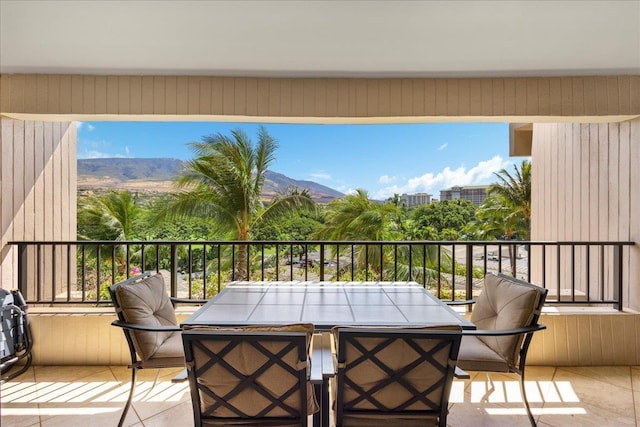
x,y
156,175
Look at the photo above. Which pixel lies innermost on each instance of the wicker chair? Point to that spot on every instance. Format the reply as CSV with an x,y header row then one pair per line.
x,y
147,317
394,377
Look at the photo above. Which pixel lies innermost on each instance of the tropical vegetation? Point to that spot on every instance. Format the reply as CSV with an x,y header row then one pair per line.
x,y
219,196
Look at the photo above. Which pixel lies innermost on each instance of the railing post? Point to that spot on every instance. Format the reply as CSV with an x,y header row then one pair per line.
x,y
617,276
22,270
174,270
321,262
469,281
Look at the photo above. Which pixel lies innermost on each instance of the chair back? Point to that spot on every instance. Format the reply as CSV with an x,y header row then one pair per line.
x,y
508,303
143,300
388,375
248,376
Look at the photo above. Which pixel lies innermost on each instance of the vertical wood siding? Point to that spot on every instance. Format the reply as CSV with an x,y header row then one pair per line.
x,y
586,186
38,200
319,97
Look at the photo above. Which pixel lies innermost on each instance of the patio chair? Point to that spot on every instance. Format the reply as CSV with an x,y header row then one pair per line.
x,y
251,376
394,377
147,317
506,314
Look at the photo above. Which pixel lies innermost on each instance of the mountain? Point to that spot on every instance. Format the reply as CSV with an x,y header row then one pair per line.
x,y
278,183
156,175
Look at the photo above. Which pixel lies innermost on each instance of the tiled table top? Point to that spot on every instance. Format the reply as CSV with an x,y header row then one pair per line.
x,y
326,304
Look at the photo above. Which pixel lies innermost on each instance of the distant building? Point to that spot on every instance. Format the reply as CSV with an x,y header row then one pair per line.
x,y
417,199
474,193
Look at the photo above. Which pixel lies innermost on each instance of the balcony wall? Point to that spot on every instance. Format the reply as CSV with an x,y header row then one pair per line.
x,y
571,339
38,199
586,186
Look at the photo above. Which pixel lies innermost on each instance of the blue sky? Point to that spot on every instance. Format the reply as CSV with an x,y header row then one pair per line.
x,y
383,159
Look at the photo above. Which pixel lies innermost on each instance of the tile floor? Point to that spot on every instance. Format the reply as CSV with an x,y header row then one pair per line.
x,y
94,396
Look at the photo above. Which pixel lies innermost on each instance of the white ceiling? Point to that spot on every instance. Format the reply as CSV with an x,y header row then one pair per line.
x,y
321,38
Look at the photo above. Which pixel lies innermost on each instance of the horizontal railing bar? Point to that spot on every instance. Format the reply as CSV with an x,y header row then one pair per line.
x,y
327,242
225,260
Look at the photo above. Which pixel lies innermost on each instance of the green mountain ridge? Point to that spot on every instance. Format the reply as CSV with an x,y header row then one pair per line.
x,y
146,174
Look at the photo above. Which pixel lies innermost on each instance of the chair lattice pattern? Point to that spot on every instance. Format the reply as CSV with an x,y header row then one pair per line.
x,y
395,373
248,376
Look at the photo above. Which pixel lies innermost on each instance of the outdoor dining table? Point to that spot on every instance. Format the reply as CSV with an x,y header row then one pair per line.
x,y
325,305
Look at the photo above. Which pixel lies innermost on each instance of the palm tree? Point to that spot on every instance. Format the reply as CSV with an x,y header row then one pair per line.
x,y
506,212
224,181
515,193
111,216
356,217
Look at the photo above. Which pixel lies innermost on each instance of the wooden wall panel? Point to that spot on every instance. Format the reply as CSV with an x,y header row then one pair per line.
x,y
86,95
634,208
611,339
38,185
586,186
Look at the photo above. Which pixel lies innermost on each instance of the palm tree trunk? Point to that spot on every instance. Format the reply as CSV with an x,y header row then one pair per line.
x,y
241,263
512,258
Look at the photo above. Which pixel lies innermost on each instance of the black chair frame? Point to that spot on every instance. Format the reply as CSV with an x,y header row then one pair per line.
x,y
128,328
527,333
350,336
195,339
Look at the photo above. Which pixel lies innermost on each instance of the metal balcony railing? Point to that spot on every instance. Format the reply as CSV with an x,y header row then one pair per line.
x,y
78,272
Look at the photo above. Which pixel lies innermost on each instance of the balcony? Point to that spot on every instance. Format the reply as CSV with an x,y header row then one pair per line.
x,y
585,368
95,395
586,323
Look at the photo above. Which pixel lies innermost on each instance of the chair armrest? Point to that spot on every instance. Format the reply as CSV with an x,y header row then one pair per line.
x,y
175,301
461,302
138,327
503,332
461,374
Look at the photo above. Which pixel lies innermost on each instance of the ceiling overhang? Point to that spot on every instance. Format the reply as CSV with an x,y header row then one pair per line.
x,y
321,38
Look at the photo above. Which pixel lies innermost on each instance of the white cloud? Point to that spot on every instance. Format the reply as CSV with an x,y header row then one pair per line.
x,y
345,189
81,125
432,183
321,176
386,179
88,149
443,146
94,154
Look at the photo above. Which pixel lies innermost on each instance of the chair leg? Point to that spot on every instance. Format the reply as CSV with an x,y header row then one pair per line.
x,y
155,381
490,385
525,400
126,406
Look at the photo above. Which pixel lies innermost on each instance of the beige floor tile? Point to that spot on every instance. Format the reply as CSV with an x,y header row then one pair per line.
x,y
19,401
122,373
179,415
95,397
635,377
614,375
19,421
86,415
68,373
502,406
14,415
486,415
583,399
165,395
591,417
